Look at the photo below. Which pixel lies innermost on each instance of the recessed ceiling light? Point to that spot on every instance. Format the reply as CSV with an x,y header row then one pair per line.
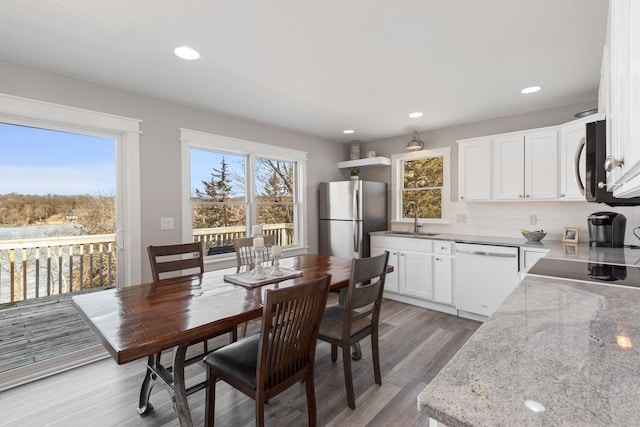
x,y
348,131
415,115
185,52
531,89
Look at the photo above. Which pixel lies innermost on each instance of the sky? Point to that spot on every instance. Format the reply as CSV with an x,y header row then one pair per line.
x,y
203,162
39,161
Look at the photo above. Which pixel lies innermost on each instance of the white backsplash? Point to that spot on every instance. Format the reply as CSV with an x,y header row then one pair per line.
x,y
505,219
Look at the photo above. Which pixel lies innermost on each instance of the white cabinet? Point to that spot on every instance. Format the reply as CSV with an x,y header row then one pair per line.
x,y
570,135
443,272
474,170
525,165
391,281
416,274
508,171
623,126
529,256
423,268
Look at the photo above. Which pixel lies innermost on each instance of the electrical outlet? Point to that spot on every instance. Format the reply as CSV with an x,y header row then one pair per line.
x,y
461,218
533,219
166,223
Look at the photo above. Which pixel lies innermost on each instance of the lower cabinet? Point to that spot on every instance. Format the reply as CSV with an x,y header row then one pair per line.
x,y
529,256
422,270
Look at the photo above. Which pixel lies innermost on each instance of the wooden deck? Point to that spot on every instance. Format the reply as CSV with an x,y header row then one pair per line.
x,y
415,343
40,332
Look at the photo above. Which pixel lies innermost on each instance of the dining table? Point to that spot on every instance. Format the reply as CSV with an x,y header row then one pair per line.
x,y
142,320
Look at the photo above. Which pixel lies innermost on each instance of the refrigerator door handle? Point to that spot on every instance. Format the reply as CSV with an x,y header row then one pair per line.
x,y
354,220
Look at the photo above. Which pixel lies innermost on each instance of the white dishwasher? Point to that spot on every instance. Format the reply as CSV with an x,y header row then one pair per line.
x,y
485,275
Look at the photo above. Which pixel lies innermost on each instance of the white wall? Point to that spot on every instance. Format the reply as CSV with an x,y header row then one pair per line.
x,y
159,145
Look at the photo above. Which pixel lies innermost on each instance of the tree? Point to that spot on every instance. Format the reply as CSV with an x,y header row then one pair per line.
x,y
423,180
276,196
217,190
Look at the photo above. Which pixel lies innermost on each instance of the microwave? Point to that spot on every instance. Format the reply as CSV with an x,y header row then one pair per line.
x,y
595,183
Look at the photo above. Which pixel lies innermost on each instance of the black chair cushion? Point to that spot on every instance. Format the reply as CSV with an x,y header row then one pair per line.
x,y
333,322
237,360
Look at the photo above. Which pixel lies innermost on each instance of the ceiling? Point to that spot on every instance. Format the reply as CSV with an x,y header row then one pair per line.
x,y
320,67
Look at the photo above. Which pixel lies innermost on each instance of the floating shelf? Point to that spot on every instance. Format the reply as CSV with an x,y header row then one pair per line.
x,y
371,161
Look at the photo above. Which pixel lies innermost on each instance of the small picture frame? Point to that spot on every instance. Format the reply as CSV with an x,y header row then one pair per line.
x,y
570,235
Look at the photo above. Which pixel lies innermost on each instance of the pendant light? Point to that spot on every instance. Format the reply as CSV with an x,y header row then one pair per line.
x,y
415,144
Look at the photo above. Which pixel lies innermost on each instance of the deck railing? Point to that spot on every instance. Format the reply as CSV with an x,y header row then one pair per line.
x,y
33,268
220,237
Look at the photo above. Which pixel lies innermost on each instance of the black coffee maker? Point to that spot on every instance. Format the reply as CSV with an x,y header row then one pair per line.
x,y
607,229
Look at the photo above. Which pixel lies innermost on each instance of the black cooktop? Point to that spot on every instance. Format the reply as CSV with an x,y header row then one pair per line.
x,y
610,274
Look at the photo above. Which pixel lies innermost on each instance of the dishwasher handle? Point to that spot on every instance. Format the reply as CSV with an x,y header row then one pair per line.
x,y
485,253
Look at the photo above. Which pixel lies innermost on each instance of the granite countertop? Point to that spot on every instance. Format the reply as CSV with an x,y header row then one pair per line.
x,y
557,343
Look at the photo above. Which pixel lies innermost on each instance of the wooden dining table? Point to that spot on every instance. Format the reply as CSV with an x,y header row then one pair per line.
x,y
142,320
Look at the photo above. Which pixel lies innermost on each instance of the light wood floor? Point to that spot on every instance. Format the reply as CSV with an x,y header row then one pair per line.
x,y
415,344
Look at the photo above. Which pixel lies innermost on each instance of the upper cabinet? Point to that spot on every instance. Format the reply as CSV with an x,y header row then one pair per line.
x,y
508,167
620,87
512,166
526,165
474,166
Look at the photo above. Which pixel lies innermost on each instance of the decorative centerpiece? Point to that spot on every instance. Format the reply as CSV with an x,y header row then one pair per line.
x,y
276,251
533,236
258,247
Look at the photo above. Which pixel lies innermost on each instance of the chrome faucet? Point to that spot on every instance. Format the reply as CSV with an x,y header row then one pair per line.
x,y
416,211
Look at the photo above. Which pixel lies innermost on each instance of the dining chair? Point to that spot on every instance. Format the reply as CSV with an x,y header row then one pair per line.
x,y
344,325
245,254
176,261
266,364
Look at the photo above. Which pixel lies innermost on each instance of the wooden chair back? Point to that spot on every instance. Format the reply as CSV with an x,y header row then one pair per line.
x,y
290,324
366,286
175,258
245,255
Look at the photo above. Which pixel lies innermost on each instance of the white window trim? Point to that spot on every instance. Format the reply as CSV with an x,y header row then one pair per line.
x,y
35,113
196,139
396,183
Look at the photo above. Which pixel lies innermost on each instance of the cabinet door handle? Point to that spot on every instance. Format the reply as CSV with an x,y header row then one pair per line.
x,y
576,164
484,306
438,259
610,163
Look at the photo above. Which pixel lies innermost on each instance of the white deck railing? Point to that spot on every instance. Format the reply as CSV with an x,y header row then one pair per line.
x,y
31,268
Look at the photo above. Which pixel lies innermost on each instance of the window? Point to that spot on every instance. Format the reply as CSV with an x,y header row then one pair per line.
x,y
421,177
55,184
230,185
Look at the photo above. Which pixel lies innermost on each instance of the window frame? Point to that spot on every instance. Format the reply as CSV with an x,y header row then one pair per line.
x,y
397,180
190,139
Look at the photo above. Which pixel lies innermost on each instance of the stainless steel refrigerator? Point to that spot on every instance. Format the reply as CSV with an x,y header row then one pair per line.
x,y
349,211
